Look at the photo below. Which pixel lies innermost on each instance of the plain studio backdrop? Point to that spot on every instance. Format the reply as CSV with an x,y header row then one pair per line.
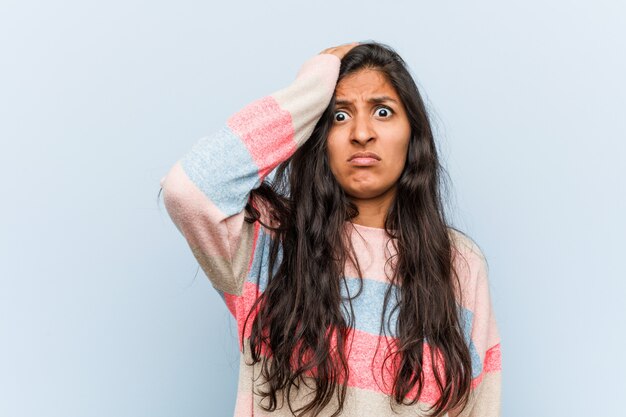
x,y
103,309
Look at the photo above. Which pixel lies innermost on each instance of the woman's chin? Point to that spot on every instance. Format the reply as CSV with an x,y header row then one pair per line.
x,y
365,193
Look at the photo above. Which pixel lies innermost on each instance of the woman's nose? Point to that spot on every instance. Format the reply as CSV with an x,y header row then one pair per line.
x,y
362,129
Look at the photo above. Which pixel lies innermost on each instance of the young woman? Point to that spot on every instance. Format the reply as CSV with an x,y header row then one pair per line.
x,y
316,214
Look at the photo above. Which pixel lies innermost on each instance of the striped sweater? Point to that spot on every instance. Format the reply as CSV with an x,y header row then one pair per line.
x,y
205,193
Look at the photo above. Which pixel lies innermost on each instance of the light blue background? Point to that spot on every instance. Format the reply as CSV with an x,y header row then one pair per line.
x,y
103,311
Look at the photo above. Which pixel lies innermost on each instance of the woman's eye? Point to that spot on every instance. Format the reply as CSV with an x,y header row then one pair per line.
x,y
384,112
340,116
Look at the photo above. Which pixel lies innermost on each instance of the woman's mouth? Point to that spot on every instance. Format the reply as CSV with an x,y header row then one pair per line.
x,y
363,161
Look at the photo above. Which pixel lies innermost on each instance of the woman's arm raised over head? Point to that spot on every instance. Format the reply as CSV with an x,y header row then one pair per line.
x,y
206,191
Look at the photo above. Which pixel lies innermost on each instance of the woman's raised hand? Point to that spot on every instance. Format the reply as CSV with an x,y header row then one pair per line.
x,y
340,50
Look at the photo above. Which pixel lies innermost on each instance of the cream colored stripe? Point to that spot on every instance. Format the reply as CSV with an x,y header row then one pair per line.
x,y
485,399
307,97
225,275
243,242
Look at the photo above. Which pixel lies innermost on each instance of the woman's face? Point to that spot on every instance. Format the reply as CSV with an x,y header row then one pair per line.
x,y
369,117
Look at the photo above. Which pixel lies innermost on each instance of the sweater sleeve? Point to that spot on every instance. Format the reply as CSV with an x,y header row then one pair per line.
x,y
206,191
483,338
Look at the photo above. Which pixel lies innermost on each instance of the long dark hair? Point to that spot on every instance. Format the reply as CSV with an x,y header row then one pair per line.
x,y
301,324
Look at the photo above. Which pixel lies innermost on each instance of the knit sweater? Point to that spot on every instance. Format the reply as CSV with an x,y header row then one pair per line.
x,y
205,193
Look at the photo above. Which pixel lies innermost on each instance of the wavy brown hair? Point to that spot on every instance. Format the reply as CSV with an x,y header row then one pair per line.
x,y
302,323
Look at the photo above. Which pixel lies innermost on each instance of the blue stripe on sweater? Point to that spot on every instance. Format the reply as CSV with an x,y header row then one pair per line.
x,y
223,169
467,317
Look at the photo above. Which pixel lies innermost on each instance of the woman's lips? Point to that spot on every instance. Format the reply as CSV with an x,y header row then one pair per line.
x,y
363,161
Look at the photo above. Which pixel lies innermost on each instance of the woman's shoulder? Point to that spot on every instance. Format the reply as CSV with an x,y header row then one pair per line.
x,y
463,243
468,258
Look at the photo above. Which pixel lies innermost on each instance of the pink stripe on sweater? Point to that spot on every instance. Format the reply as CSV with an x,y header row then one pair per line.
x,y
491,363
371,242
264,122
368,369
365,366
493,359
242,305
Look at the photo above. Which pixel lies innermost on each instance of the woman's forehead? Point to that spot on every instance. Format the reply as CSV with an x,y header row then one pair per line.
x,y
364,84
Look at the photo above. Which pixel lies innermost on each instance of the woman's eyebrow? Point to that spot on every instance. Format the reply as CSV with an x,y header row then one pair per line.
x,y
373,100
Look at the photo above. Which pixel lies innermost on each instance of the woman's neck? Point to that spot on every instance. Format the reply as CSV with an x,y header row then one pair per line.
x,y
373,211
